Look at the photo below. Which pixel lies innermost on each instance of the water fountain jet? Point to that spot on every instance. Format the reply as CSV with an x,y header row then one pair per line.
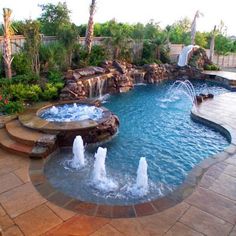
x,y
140,188
78,160
100,178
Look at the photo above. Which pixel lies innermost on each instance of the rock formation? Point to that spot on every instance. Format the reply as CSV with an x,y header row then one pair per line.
x,y
118,77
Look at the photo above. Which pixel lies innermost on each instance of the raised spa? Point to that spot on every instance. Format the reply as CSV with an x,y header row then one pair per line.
x,y
153,124
71,112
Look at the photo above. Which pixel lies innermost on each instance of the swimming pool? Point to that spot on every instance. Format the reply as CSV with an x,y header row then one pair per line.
x,y
151,126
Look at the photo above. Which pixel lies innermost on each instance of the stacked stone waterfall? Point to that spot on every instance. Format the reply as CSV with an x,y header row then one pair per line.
x,y
117,77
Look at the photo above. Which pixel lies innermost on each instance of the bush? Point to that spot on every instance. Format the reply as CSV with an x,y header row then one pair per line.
x,y
23,92
25,79
50,91
52,57
21,64
211,67
10,107
82,59
55,76
97,55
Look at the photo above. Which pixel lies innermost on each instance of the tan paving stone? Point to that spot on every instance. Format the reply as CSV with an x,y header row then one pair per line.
x,y
79,225
107,230
233,232
21,199
160,223
5,222
8,182
225,185
64,214
231,160
214,204
180,229
230,170
206,223
23,174
2,212
129,227
37,221
10,162
13,231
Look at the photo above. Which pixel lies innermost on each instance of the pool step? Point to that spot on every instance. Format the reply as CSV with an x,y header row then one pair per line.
x,y
23,141
25,135
12,146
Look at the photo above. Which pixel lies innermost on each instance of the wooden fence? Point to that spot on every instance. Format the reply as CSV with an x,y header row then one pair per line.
x,y
175,49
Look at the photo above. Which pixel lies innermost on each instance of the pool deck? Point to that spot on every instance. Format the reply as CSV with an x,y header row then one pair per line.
x,y
209,210
224,74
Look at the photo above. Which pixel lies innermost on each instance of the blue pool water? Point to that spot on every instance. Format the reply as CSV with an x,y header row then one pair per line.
x,y
150,127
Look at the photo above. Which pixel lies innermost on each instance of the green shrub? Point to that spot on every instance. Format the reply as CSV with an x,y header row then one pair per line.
x,y
21,64
52,56
10,107
55,76
23,92
50,92
97,56
25,79
211,67
14,107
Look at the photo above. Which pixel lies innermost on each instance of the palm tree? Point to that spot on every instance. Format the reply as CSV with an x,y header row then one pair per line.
x,y
194,26
8,32
89,32
212,44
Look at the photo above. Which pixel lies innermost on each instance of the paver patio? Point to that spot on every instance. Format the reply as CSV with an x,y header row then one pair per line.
x,y
209,210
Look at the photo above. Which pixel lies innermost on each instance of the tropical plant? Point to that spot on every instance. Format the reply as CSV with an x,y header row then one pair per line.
x,y
8,32
68,36
31,31
90,28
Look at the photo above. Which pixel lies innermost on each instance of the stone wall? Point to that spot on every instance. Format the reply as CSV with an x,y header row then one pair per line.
x,y
118,77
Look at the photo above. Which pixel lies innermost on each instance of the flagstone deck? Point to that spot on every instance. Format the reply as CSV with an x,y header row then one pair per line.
x,y
209,210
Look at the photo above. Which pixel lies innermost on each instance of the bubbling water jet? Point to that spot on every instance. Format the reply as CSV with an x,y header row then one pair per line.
x,y
78,160
99,175
140,188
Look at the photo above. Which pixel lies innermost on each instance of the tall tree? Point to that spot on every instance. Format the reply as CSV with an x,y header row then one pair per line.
x,y
90,28
194,27
8,32
31,31
212,44
53,17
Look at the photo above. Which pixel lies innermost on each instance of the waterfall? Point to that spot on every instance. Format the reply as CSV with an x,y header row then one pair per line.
x,y
100,86
90,83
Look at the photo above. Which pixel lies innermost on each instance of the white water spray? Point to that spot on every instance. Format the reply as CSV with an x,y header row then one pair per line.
x,y
78,160
54,110
141,187
100,178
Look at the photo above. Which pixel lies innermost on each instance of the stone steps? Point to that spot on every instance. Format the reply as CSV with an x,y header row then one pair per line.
x,y
20,140
22,134
10,145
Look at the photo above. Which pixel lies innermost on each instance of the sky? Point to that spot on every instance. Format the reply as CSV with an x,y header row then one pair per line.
x,y
132,11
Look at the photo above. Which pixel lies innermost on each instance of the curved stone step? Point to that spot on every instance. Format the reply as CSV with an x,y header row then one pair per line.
x,y
38,150
11,145
22,134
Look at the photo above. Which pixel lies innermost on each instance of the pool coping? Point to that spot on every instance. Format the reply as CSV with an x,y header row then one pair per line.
x,y
39,180
31,119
